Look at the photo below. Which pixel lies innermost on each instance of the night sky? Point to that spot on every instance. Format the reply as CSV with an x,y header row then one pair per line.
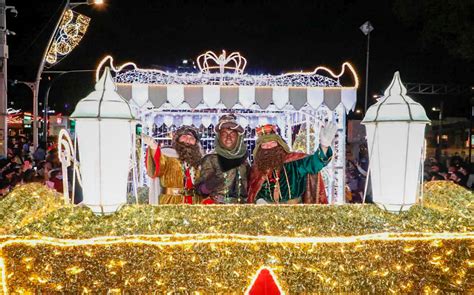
x,y
275,36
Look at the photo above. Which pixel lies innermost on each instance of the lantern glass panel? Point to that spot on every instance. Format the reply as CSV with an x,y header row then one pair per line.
x,y
395,149
104,150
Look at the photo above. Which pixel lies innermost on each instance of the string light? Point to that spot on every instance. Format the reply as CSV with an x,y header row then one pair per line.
x,y
3,276
166,78
204,62
237,78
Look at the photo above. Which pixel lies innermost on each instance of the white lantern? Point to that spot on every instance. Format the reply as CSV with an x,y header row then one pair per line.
x,y
395,135
104,126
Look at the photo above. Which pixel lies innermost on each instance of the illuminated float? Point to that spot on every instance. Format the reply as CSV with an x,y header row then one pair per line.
x,y
49,246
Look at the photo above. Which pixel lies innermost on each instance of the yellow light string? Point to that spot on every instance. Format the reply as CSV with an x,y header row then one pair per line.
x,y
235,238
3,276
345,65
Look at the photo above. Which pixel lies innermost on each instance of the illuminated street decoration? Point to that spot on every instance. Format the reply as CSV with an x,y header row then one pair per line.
x,y
294,79
209,61
72,28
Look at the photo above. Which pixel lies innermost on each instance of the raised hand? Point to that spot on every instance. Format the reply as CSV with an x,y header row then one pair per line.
x,y
148,140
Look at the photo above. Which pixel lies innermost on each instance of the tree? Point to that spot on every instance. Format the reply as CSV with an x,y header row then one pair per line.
x,y
448,23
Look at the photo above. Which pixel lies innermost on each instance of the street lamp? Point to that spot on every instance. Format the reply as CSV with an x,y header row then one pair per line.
x,y
366,28
37,81
439,138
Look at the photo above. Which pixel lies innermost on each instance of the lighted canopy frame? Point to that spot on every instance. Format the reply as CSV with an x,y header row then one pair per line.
x,y
297,100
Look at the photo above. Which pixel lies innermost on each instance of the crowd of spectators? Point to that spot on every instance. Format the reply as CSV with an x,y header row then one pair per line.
x,y
24,164
454,168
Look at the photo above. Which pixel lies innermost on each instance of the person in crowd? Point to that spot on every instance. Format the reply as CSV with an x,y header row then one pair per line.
x,y
224,172
434,176
456,177
174,170
464,173
30,176
55,180
4,188
9,173
279,176
53,158
356,181
443,159
40,154
16,156
456,160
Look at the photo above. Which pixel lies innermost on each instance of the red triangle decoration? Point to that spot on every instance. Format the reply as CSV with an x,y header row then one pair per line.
x,y
264,283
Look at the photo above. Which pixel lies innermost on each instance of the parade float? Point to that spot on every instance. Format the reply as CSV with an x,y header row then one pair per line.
x,y
302,101
49,245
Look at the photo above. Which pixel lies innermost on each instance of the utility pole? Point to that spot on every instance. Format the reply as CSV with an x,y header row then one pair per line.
x,y
366,28
3,74
471,115
3,79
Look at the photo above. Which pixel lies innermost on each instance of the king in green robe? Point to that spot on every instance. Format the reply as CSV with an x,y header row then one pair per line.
x,y
279,176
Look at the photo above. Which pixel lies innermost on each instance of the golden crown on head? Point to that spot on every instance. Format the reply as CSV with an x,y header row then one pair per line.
x,y
266,129
210,62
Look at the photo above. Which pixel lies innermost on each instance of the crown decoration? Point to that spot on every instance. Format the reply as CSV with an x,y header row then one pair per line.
x,y
266,129
209,62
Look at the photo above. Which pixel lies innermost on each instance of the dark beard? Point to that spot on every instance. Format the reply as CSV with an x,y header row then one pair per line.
x,y
268,159
190,154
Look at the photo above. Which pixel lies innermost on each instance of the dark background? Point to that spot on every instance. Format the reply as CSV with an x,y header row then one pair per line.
x,y
429,41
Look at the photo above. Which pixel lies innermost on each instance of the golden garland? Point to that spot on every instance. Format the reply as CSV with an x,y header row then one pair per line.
x,y
386,264
313,248
447,208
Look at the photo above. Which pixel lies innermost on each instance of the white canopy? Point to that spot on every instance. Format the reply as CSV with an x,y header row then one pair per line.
x,y
212,96
209,89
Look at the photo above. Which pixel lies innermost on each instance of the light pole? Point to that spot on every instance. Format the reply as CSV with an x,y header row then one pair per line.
x,y
471,115
439,142
366,28
3,74
46,97
37,81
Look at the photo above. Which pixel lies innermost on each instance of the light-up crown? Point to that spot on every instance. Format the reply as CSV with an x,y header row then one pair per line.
x,y
210,62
